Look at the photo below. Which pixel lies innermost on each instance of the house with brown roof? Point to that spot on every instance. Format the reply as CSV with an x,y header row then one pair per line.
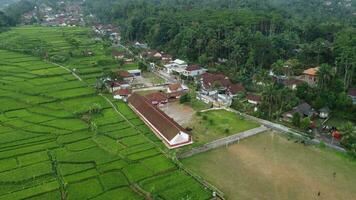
x,y
194,70
211,83
175,87
157,98
169,131
118,55
352,94
125,75
166,58
310,76
150,53
176,90
235,89
122,94
291,83
254,99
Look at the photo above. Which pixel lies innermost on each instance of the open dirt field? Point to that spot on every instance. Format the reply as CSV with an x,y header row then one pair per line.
x,y
181,113
268,166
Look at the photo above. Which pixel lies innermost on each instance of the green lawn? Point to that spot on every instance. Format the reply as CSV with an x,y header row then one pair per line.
x,y
130,66
153,78
212,125
268,166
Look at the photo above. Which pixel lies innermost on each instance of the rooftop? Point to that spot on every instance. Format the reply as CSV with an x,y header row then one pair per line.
x,y
122,92
165,125
352,92
124,74
236,88
210,79
193,67
157,96
311,71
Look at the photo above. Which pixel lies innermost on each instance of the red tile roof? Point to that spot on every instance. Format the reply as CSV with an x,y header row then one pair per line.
x,y
122,92
159,97
210,79
116,53
311,71
125,74
158,119
352,92
175,87
193,68
236,88
253,97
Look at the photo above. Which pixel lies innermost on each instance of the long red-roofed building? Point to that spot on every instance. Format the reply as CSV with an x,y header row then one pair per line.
x,y
169,131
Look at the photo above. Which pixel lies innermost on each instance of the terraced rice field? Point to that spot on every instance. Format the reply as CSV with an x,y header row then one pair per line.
x,y
64,42
60,140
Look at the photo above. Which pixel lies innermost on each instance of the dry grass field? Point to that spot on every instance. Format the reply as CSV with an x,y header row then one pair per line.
x,y
269,166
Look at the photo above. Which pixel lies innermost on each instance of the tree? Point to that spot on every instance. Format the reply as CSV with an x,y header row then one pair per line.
x,y
305,123
349,137
278,68
325,76
296,119
185,98
142,66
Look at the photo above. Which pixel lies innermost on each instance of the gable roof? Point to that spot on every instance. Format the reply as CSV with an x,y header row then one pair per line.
x,y
193,68
311,71
179,62
304,109
236,88
122,92
254,97
209,79
125,74
175,86
157,96
163,123
118,54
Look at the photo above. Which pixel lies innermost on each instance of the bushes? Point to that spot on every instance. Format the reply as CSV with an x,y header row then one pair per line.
x,y
185,98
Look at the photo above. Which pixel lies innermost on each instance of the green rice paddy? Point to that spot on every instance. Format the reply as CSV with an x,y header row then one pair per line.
x,y
60,140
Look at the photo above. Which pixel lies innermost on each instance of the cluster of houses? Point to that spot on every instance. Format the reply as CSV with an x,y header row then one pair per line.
x,y
110,31
65,14
215,88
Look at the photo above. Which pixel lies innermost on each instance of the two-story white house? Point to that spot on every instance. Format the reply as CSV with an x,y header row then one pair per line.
x,y
194,71
176,66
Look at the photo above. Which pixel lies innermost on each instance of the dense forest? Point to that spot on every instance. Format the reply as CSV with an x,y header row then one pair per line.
x,y
252,35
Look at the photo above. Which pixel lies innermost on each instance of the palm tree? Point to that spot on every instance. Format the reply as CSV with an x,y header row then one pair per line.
x,y
325,76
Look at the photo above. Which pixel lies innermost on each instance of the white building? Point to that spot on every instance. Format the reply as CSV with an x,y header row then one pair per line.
x,y
176,66
194,70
